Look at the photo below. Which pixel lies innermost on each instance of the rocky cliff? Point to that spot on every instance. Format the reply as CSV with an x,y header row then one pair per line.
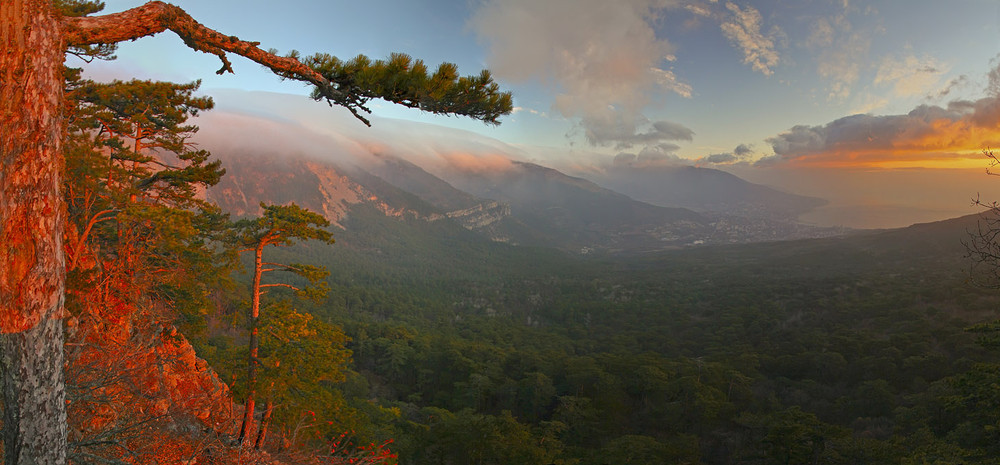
x,y
137,389
319,186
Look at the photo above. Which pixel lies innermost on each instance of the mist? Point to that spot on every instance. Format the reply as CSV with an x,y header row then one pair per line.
x,y
264,123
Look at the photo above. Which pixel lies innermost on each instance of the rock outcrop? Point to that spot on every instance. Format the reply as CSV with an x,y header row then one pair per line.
x,y
130,380
480,216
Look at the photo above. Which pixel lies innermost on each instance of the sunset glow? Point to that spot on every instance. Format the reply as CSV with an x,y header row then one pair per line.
x,y
730,85
404,232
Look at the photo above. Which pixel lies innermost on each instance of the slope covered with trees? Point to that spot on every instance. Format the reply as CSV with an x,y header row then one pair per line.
x,y
36,36
854,349
858,349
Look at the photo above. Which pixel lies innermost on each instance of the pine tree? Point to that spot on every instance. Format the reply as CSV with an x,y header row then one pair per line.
x,y
35,37
132,192
279,225
140,247
299,357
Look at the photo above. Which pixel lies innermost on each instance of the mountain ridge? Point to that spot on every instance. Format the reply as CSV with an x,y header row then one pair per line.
x,y
524,204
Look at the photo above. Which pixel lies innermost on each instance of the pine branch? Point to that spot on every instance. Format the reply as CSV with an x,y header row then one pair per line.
x,y
280,285
155,17
351,84
82,240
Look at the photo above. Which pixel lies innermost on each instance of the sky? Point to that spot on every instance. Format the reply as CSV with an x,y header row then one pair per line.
x,y
881,107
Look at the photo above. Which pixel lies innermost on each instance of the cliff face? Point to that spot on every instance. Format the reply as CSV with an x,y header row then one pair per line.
x,y
188,384
319,186
485,218
332,191
480,216
130,380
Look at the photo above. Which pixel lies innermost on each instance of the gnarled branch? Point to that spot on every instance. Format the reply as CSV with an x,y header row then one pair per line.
x,y
155,17
349,84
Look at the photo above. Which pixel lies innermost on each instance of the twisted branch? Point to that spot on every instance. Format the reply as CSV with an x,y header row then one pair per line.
x,y
155,17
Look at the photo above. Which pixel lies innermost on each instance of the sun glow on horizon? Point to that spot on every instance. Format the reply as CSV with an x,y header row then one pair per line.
x,y
961,160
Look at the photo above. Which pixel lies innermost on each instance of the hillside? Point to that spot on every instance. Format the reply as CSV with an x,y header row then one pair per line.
x,y
684,353
705,190
692,355
526,204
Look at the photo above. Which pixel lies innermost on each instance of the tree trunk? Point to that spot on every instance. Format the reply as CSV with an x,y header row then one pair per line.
x,y
246,430
264,423
32,260
34,395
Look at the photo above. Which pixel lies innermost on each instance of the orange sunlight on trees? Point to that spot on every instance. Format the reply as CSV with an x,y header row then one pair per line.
x,y
36,36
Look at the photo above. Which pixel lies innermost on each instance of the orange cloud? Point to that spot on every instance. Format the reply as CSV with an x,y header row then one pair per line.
x,y
929,136
468,162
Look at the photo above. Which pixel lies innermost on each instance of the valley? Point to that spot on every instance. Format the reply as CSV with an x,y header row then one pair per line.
x,y
542,233
539,318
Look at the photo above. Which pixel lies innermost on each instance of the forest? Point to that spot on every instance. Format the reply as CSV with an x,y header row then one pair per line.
x,y
195,337
861,349
405,341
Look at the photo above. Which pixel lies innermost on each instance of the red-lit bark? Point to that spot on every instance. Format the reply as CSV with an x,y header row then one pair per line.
x,y
279,226
155,17
246,430
32,262
33,40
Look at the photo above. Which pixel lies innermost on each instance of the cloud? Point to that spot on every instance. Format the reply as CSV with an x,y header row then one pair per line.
x,y
650,156
532,111
625,159
953,84
868,103
822,34
720,158
281,124
993,87
668,80
604,58
627,133
839,50
224,130
910,76
477,163
741,153
959,130
743,28
698,10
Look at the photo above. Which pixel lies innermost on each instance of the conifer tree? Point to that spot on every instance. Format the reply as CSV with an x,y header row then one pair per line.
x,y
35,37
279,225
140,247
132,184
299,357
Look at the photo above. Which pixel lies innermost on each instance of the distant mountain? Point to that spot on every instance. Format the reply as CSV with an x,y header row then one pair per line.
x,y
414,179
574,213
525,204
704,190
936,247
321,186
488,217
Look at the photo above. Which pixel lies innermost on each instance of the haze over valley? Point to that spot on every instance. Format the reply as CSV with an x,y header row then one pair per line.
x,y
719,232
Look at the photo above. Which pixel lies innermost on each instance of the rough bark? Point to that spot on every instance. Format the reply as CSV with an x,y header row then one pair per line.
x,y
34,395
33,271
246,430
32,261
155,17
